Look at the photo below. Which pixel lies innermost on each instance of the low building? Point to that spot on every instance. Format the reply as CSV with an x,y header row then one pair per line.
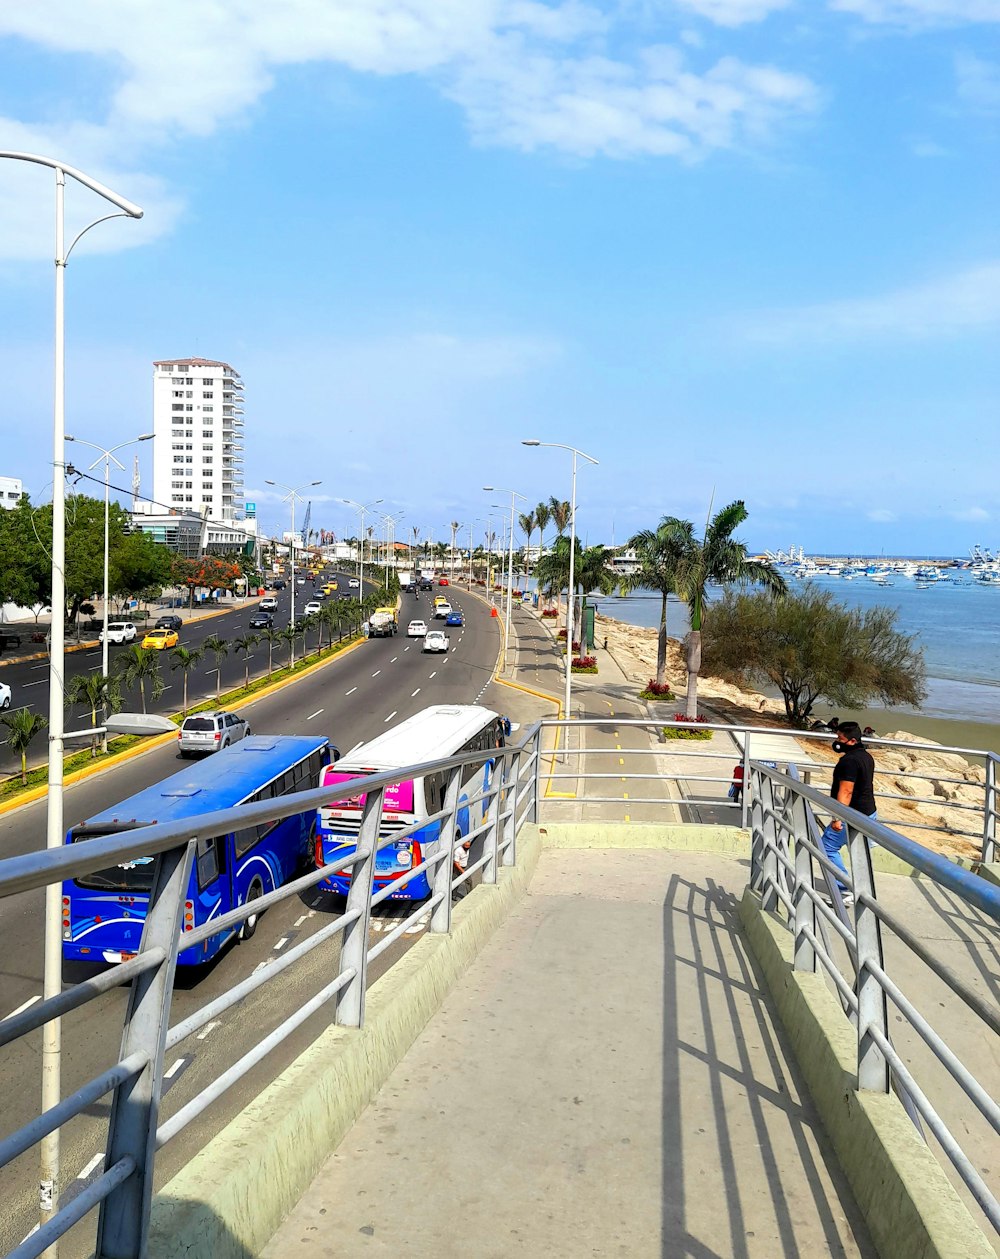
x,y
190,535
11,490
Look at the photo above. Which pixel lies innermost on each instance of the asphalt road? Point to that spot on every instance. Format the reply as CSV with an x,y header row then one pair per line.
x,y
29,681
356,696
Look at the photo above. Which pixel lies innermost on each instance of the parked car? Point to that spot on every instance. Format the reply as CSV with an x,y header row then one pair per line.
x,y
416,629
211,732
312,607
268,604
262,620
4,695
441,611
161,640
9,639
454,618
168,622
119,632
436,640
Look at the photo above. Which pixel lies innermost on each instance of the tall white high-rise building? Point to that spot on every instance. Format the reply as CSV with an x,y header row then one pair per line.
x,y
198,424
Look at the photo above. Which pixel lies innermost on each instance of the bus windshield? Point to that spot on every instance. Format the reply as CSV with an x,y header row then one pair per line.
x,y
131,876
398,797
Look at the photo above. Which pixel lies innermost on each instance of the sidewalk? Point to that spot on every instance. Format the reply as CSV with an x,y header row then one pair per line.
x,y
652,1114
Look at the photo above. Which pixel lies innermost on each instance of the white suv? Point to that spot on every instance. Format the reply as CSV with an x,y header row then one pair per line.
x,y
211,732
120,632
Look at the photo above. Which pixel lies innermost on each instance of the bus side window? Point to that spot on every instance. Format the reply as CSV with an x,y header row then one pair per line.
x,y
244,840
208,861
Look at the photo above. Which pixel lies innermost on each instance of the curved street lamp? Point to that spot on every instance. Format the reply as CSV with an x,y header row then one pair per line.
x,y
362,508
54,828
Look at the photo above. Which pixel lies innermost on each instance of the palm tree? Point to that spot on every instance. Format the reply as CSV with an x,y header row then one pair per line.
x,y
559,511
185,660
219,647
136,667
591,571
527,522
552,569
657,553
270,636
542,517
288,635
246,643
97,691
718,558
22,725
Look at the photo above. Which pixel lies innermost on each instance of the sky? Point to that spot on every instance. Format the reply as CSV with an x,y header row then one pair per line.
x,y
728,248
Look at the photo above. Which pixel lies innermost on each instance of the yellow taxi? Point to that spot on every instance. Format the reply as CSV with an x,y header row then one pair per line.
x,y
438,600
161,639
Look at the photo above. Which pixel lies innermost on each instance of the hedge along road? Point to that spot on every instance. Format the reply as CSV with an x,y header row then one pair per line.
x,y
351,700
29,680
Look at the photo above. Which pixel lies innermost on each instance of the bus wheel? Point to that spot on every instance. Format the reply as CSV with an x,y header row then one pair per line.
x,y
250,925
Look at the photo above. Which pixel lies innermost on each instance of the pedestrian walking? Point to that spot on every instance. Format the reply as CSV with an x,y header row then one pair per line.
x,y
853,785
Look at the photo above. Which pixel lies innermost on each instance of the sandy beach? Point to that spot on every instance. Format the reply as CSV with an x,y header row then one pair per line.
x,y
634,648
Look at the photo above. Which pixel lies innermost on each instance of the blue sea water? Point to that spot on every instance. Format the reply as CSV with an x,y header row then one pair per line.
x,y
957,624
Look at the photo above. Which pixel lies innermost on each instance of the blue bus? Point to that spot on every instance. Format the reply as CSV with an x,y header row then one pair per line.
x,y
433,734
103,912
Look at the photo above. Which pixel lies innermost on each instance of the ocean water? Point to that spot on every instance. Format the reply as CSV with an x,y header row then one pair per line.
x,y
956,623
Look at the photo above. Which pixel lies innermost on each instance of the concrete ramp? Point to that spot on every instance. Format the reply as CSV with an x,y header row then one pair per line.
x,y
606,1080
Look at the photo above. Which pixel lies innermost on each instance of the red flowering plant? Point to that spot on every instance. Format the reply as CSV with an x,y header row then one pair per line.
x,y
657,690
685,732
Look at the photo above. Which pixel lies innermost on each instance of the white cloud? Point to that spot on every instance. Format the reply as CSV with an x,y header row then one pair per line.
x,y
882,516
963,303
972,514
922,12
530,75
978,83
734,12
928,148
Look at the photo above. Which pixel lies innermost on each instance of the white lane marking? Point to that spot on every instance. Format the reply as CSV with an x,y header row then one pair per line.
x,y
406,649
259,966
92,1166
434,674
168,687
25,1006
416,927
376,673
280,945
351,691
173,1069
300,920
390,717
40,682
315,714
393,660
209,1029
414,693
39,666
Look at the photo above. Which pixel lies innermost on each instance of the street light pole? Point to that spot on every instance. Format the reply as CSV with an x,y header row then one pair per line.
x,y
107,457
54,828
510,572
291,496
572,558
362,508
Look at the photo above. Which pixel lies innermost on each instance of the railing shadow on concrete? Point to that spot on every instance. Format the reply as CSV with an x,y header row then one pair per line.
x,y
703,937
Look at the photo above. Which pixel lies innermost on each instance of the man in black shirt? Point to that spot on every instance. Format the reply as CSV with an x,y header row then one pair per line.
x,y
853,784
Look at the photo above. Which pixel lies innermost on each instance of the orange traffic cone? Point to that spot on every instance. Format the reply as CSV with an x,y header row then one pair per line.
x,y
493,611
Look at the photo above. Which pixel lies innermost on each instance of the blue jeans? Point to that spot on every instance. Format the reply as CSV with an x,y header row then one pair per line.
x,y
833,841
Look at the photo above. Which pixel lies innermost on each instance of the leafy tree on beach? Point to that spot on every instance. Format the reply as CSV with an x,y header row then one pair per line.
x,y
810,646
527,522
559,514
542,517
714,558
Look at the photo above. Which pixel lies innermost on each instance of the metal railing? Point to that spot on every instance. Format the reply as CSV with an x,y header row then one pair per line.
x,y
786,855
974,821
123,1192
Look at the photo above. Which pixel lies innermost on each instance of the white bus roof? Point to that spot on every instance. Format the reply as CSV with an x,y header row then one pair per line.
x,y
430,735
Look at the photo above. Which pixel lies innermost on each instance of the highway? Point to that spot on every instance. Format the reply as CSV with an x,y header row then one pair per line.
x,y
353,698
29,679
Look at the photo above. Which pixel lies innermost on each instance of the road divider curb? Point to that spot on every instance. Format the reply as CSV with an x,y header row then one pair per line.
x,y
229,1200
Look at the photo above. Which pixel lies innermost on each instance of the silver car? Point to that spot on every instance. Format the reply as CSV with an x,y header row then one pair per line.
x,y
211,732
